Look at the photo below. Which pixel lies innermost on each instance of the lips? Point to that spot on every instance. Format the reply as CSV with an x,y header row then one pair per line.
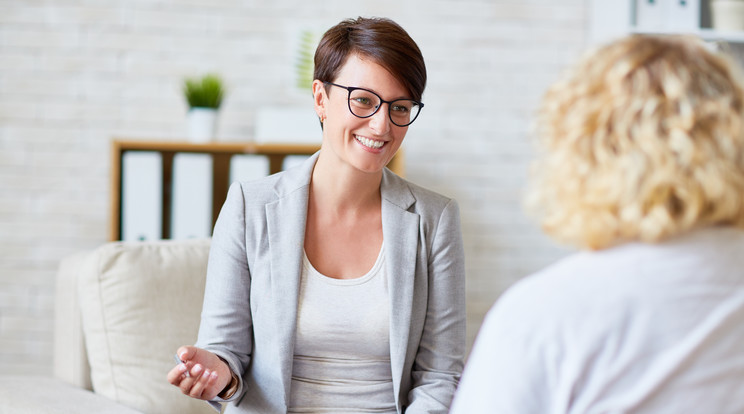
x,y
369,143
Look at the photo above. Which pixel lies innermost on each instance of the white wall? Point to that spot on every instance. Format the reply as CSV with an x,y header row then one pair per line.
x,y
76,73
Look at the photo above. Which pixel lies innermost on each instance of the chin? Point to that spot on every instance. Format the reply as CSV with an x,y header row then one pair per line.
x,y
369,168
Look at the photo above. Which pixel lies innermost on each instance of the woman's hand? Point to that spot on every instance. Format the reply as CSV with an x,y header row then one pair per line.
x,y
202,374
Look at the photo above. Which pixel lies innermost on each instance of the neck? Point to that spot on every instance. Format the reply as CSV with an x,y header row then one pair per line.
x,y
342,187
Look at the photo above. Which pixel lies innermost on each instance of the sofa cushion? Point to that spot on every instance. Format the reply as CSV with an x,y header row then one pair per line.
x,y
140,301
45,395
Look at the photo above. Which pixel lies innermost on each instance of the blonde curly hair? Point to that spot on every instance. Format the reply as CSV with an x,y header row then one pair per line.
x,y
641,141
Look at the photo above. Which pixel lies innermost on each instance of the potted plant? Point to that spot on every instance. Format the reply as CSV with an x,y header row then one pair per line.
x,y
204,96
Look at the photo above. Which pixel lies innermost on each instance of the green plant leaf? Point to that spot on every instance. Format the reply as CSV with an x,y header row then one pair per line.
x,y
305,65
205,92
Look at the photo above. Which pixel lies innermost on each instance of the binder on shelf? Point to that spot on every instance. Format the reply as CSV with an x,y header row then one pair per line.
x,y
650,15
192,196
683,15
667,15
248,168
141,202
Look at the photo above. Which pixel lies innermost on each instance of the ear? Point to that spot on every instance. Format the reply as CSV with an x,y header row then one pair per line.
x,y
319,98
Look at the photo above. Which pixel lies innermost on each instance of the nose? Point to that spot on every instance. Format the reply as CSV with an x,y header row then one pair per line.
x,y
380,121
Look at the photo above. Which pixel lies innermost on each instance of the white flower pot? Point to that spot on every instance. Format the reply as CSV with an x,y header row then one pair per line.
x,y
727,15
202,124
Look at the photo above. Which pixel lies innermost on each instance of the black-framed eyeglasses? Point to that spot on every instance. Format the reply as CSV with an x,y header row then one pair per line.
x,y
364,103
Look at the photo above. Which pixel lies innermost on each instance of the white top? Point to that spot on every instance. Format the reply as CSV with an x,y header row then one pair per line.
x,y
342,349
634,329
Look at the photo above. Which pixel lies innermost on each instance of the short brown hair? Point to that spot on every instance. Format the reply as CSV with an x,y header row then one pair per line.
x,y
641,141
379,39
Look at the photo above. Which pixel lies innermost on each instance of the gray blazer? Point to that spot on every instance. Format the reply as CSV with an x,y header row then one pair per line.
x,y
253,279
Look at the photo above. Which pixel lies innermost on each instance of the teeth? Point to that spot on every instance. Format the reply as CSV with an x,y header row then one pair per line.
x,y
369,142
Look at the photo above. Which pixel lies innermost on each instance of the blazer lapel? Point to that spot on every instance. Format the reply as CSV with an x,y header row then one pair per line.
x,y
286,218
400,232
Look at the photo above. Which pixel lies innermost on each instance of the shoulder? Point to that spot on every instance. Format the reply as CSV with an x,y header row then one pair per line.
x,y
430,199
610,277
592,294
581,286
408,195
273,187
248,196
260,191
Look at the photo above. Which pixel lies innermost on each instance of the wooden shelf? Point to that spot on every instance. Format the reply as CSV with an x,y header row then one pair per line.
x,y
218,147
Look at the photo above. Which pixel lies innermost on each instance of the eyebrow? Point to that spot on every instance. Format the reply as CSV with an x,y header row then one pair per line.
x,y
379,94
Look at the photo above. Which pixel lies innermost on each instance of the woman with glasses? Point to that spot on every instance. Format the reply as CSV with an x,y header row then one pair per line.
x,y
337,286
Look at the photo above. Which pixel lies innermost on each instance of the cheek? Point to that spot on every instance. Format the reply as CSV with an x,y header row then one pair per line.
x,y
339,108
400,134
345,121
338,114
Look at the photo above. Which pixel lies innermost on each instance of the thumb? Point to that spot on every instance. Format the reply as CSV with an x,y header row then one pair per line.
x,y
186,353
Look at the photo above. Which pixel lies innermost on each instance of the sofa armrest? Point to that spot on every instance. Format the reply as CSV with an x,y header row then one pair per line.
x,y
47,395
70,357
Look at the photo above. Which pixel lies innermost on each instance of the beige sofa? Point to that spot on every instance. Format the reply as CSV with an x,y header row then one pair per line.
x,y
121,312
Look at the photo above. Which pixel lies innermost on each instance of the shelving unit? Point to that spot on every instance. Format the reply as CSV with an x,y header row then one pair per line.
x,y
614,18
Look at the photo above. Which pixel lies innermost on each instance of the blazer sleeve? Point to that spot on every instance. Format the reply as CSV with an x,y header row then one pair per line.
x,y
226,322
440,357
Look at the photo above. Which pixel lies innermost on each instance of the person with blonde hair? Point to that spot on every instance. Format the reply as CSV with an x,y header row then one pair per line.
x,y
641,166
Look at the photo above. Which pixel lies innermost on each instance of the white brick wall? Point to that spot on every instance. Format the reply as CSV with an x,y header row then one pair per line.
x,y
75,73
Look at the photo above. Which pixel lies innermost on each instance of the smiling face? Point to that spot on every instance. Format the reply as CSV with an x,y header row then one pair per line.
x,y
365,144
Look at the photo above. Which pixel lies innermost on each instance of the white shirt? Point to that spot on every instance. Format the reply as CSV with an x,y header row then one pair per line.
x,y
637,328
342,350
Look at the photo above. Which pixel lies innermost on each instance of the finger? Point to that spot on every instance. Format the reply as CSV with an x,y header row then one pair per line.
x,y
186,384
194,389
191,379
177,374
210,390
184,368
200,385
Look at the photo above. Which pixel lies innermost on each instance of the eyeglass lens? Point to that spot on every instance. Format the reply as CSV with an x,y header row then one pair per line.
x,y
363,104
